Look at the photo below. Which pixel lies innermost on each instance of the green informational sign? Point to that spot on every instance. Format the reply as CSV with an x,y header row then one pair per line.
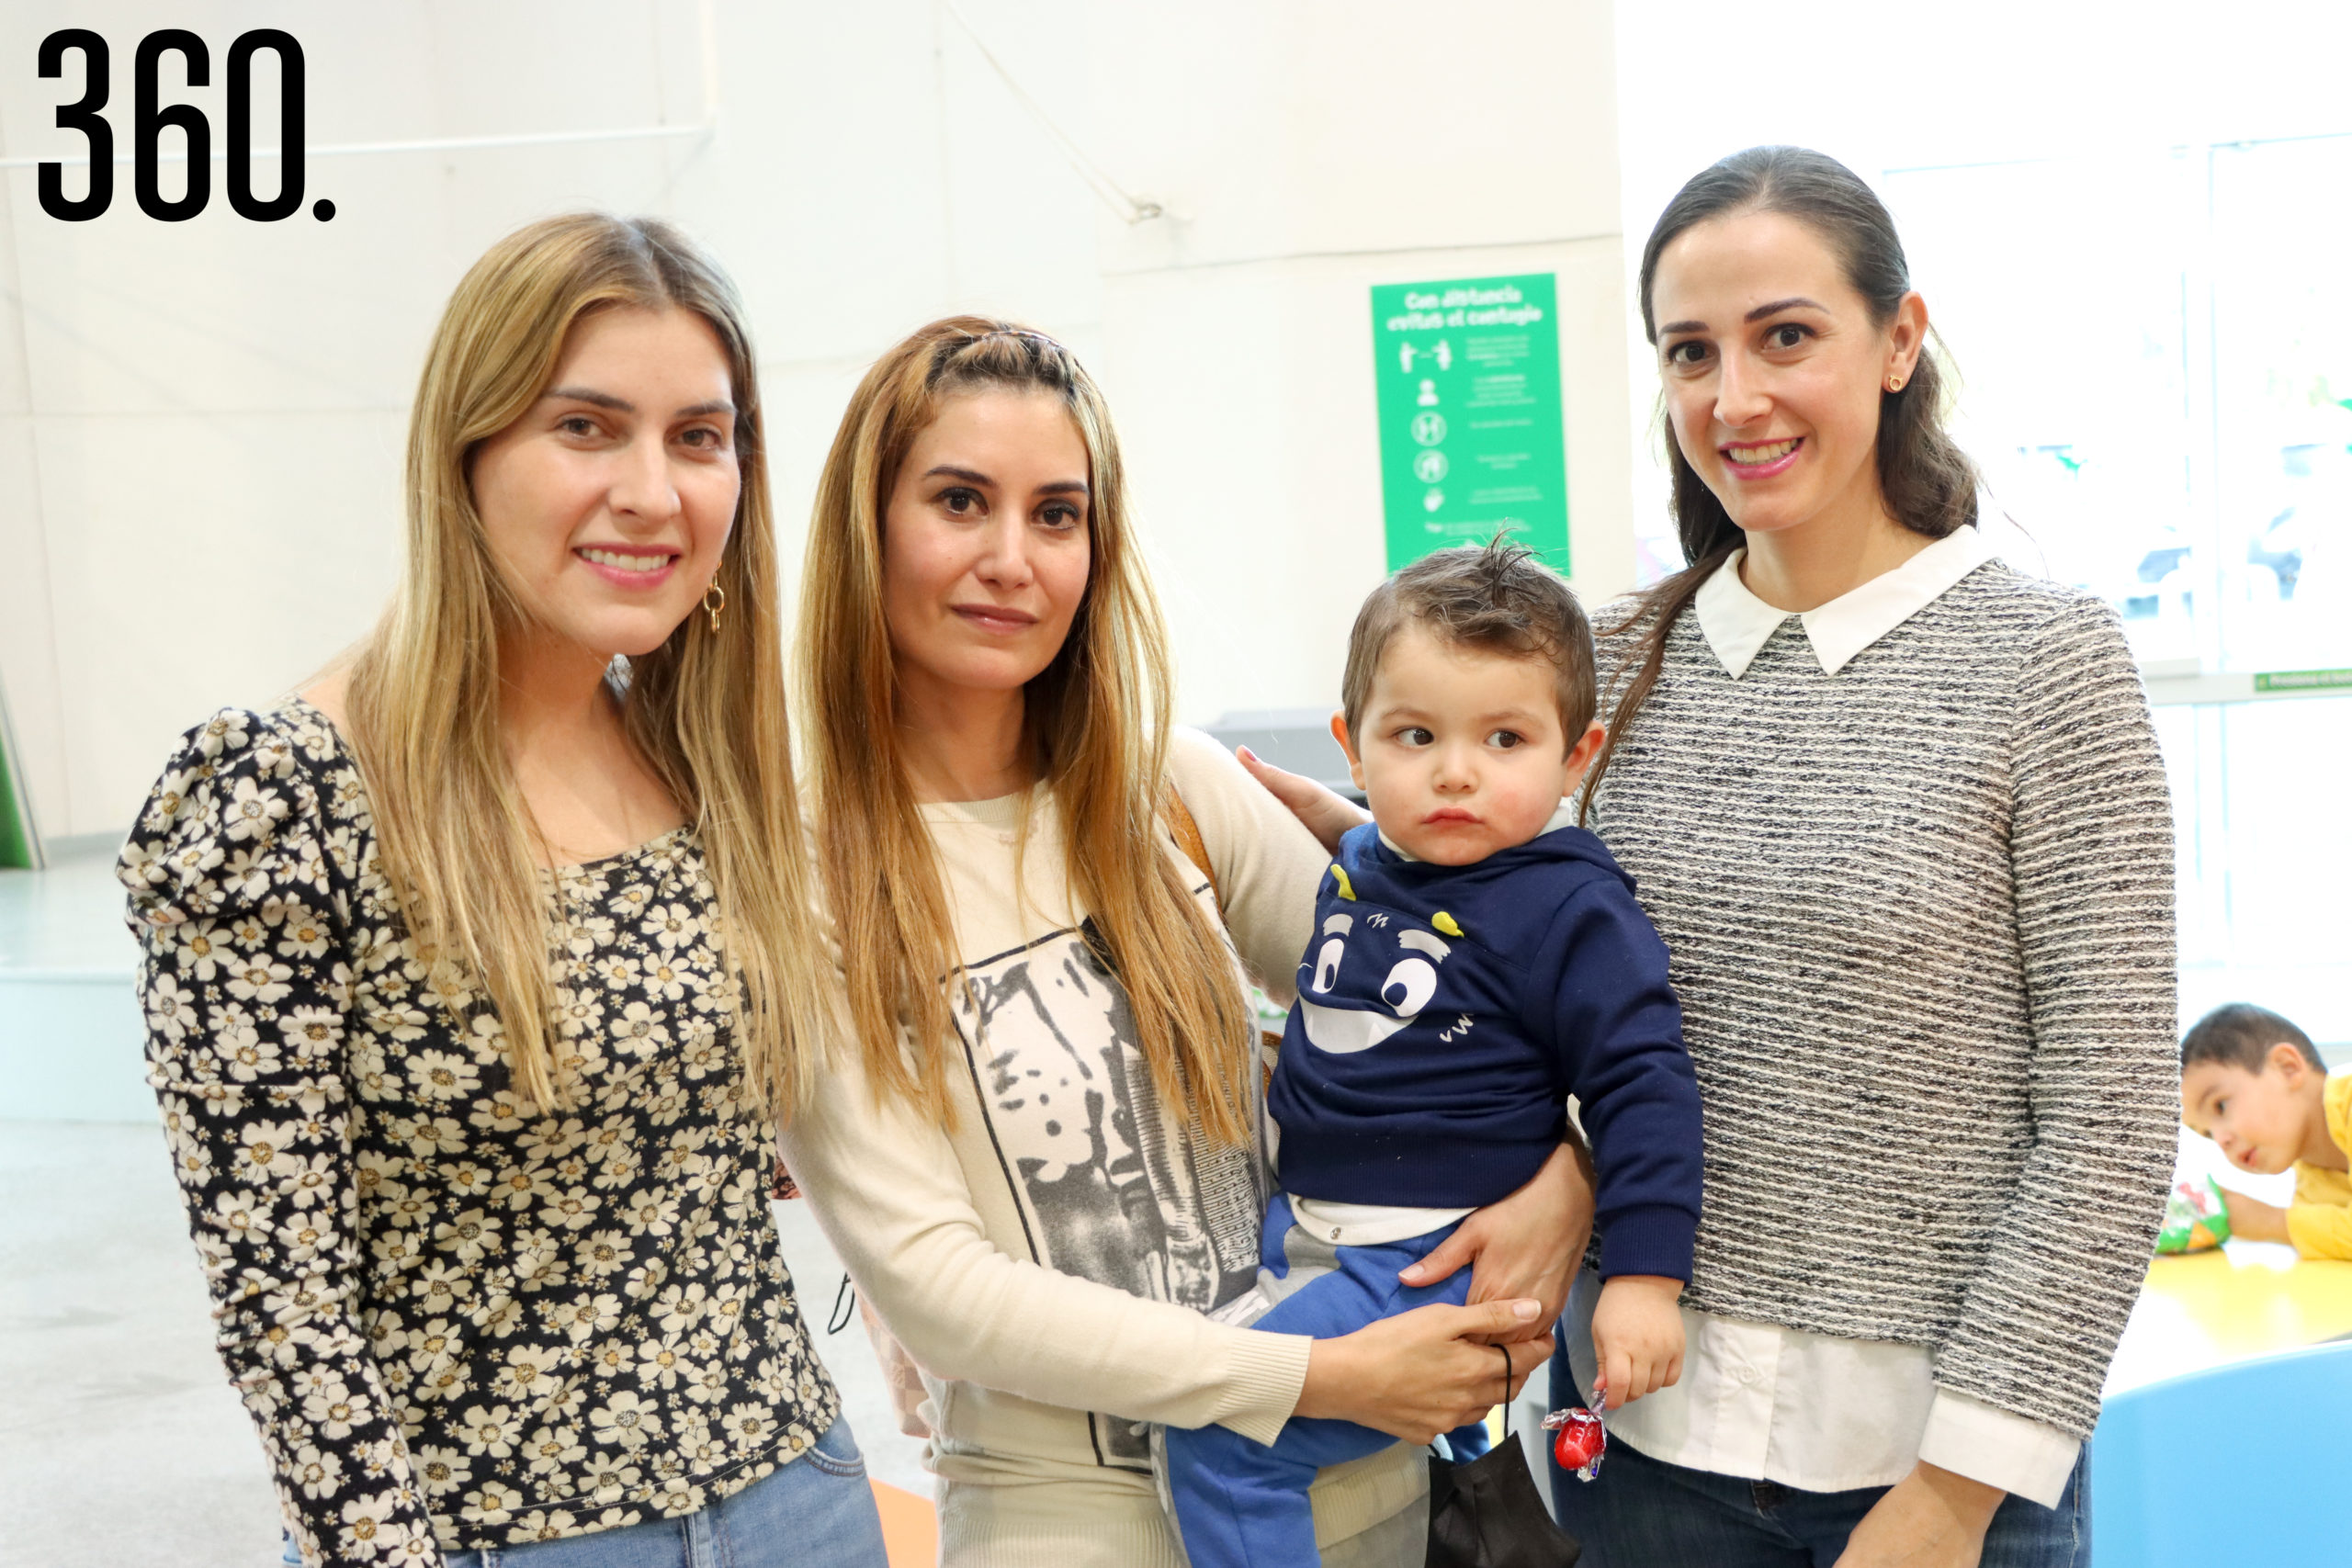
x,y
1468,373
2302,680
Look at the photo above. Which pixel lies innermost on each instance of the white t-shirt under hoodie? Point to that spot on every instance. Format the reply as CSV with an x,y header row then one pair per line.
x,y
1048,1261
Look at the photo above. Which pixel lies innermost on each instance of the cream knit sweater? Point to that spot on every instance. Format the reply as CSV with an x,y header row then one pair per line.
x,y
1048,1261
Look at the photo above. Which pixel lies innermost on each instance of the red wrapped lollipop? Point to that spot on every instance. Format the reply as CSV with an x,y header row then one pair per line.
x,y
1580,1439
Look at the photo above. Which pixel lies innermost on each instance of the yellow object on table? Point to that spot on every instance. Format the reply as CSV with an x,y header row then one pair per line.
x,y
2247,1300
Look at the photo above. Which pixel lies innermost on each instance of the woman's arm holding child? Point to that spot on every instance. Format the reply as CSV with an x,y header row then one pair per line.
x,y
884,1182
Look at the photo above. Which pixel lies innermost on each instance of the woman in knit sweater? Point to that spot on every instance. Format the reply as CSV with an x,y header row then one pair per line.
x,y
1039,1158
1899,814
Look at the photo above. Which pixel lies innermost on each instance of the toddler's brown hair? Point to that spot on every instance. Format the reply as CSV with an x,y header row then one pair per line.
x,y
1496,597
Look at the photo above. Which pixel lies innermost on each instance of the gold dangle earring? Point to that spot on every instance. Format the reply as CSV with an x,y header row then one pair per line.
x,y
713,611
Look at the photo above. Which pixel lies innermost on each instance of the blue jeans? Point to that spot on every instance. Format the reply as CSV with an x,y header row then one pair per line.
x,y
1641,1512
1241,1502
819,1509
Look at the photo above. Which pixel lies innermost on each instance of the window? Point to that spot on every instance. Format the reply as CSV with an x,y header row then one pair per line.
x,y
2265,857
2156,359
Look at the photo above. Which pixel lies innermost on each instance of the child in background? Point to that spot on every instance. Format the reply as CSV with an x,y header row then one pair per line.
x,y
1477,958
2254,1084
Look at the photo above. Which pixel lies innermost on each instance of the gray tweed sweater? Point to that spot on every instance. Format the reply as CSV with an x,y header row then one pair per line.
x,y
1921,920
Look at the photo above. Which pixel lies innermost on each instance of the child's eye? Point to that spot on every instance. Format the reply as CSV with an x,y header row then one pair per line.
x,y
1414,735
1504,739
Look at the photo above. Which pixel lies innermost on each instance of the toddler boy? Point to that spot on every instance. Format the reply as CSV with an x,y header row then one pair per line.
x,y
1477,958
2254,1084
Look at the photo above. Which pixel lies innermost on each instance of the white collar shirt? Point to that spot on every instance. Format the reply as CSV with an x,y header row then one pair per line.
x,y
1737,624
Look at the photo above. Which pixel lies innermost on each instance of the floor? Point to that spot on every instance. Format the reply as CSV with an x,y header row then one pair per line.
x,y
120,1440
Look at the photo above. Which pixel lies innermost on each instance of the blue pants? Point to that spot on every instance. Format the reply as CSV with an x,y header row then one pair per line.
x,y
819,1509
1241,1503
1641,1512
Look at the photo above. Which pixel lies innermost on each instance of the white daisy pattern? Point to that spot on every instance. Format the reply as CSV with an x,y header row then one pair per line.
x,y
457,1325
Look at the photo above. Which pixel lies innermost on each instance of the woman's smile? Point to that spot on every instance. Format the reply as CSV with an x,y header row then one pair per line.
x,y
1761,460
628,566
1775,367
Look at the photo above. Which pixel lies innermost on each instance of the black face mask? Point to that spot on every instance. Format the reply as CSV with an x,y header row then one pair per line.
x,y
1487,1513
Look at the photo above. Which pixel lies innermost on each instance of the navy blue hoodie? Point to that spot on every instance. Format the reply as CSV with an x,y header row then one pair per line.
x,y
1445,1012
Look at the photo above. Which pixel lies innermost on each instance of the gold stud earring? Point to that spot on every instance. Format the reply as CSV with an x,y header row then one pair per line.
x,y
713,610
1894,383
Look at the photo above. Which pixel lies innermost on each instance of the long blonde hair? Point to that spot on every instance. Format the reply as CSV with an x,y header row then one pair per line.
x,y
705,709
1095,724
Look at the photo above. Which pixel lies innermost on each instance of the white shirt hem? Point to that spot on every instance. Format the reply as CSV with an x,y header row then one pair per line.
x,y
1367,1225
1820,1414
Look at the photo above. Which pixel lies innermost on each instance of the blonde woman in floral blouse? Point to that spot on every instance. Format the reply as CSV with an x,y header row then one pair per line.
x,y
476,975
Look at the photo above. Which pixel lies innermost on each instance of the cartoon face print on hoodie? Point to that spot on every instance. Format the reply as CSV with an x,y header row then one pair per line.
x,y
1446,1013
1375,998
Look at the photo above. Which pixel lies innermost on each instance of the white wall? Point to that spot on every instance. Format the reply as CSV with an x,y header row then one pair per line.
x,y
1324,147
200,424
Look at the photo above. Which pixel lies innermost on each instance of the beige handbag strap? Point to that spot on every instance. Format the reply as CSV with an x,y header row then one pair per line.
x,y
1187,833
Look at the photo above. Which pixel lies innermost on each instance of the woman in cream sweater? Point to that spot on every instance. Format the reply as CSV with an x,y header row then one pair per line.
x,y
1039,1155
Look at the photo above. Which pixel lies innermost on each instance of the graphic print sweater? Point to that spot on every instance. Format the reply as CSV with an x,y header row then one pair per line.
x,y
1047,1253
1445,1014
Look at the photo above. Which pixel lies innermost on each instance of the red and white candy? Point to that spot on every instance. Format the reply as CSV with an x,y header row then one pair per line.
x,y
1579,1442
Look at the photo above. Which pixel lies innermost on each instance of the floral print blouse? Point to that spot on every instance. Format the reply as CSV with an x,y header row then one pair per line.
x,y
457,1325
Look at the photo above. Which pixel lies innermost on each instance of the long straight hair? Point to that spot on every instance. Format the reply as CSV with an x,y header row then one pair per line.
x,y
1096,723
1927,482
705,709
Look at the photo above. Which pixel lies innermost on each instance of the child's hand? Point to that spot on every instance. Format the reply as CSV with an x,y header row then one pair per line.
x,y
2255,1220
1637,1336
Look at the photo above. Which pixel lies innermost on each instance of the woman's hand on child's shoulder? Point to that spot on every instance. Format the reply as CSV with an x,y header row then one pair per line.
x,y
1325,815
